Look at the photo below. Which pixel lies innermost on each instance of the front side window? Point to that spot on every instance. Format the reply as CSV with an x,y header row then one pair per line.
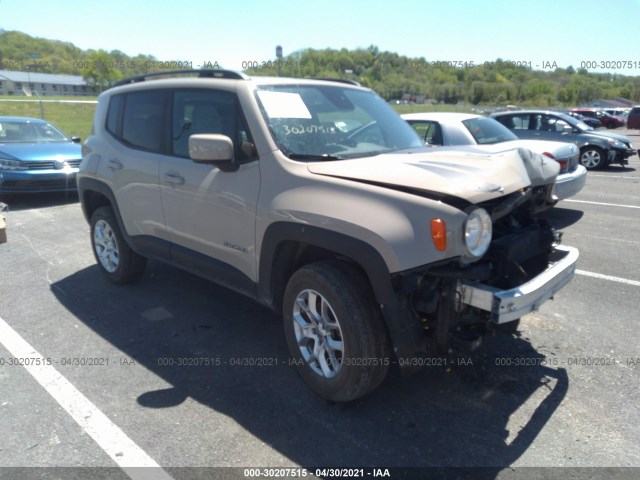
x,y
515,122
430,132
209,111
557,124
325,122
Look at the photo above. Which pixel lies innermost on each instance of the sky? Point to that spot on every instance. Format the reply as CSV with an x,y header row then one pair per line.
x,y
599,35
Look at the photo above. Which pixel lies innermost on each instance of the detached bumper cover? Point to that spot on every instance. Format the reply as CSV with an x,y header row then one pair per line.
x,y
631,152
508,305
620,155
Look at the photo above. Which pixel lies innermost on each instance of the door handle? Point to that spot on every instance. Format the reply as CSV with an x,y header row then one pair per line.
x,y
173,179
114,165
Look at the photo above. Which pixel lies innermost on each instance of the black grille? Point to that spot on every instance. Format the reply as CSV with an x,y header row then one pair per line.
x,y
68,183
520,256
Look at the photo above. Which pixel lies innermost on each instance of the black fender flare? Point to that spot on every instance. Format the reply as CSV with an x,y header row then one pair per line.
x,y
407,337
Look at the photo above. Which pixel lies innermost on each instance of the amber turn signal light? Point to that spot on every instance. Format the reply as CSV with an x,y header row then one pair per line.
x,y
439,234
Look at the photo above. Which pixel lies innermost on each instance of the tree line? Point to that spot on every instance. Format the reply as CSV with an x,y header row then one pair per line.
x,y
496,82
393,76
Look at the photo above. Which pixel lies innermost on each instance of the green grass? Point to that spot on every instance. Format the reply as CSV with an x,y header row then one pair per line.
x,y
402,109
72,118
77,118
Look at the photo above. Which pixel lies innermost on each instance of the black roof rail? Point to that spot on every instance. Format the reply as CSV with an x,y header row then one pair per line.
x,y
340,80
202,73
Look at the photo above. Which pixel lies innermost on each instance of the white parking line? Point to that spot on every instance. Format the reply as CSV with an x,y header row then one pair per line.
x,y
120,448
626,281
602,203
613,176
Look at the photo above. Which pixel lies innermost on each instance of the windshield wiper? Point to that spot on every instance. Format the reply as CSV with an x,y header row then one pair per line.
x,y
305,156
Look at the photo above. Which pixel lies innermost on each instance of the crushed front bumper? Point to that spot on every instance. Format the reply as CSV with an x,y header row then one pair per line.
x,y
508,305
621,155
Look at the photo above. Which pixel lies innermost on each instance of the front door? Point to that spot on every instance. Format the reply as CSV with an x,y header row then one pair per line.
x,y
209,211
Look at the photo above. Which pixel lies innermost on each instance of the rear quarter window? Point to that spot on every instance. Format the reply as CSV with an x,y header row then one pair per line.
x,y
114,113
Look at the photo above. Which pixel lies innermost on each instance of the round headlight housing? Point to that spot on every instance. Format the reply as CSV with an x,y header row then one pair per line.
x,y
478,230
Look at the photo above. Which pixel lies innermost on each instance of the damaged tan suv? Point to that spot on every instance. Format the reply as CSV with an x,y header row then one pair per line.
x,y
314,198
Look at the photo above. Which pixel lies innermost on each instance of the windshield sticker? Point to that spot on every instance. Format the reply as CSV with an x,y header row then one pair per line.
x,y
283,104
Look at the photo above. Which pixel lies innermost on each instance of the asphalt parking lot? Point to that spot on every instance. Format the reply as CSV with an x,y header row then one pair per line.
x,y
180,373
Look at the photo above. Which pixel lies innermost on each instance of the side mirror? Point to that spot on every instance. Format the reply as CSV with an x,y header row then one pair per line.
x,y
76,139
212,149
567,129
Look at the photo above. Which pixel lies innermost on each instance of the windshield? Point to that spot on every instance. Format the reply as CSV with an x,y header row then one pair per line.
x,y
29,132
326,122
486,131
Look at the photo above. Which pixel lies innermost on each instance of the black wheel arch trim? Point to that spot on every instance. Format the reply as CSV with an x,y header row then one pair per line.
x,y
145,246
407,337
92,185
359,251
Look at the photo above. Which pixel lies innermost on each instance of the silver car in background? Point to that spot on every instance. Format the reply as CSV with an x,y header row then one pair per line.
x,y
445,129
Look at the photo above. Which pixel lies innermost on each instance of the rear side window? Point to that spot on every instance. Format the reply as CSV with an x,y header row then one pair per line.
x,y
143,120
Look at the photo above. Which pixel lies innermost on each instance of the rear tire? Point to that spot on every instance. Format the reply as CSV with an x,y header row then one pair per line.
x,y
335,331
116,260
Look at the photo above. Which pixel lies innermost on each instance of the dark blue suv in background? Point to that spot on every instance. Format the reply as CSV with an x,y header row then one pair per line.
x,y
597,148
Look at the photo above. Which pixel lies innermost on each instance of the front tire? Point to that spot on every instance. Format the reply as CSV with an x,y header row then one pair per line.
x,y
116,260
592,158
335,331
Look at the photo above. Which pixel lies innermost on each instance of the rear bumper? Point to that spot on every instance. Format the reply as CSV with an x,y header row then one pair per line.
x,y
508,305
570,183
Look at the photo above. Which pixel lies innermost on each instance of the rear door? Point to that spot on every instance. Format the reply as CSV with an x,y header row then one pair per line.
x,y
132,157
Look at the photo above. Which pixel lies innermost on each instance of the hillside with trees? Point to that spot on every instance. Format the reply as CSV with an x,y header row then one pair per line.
x,y
497,82
22,52
393,76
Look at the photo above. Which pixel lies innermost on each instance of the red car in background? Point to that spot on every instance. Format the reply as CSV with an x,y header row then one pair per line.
x,y
606,120
633,120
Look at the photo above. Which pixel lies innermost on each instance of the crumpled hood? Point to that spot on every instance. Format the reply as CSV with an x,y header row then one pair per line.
x,y
33,152
467,173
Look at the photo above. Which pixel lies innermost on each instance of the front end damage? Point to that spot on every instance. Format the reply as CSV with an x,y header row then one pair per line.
x,y
458,304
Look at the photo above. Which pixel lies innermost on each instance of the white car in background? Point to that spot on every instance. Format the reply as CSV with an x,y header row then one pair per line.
x,y
446,129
